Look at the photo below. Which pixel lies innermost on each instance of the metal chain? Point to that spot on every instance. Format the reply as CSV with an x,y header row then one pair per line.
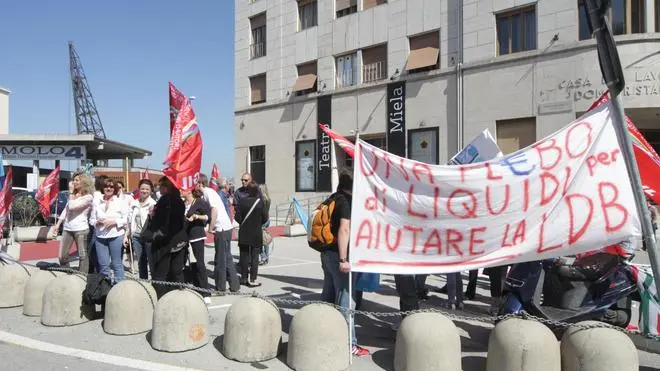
x,y
299,302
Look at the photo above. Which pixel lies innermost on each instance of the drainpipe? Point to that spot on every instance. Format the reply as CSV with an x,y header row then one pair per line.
x,y
459,81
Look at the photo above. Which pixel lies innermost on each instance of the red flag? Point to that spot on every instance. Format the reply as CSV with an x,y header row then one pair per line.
x,y
144,174
6,197
184,156
342,142
647,159
215,178
48,192
176,102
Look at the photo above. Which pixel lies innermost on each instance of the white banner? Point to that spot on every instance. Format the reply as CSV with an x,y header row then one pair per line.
x,y
567,194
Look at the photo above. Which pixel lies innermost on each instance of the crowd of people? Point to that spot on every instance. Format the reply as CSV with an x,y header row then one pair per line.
x,y
165,229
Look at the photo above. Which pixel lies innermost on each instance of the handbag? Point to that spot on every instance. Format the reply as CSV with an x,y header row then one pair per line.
x,y
266,236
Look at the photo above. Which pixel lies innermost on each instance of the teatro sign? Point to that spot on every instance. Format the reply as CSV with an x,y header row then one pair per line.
x,y
43,152
638,83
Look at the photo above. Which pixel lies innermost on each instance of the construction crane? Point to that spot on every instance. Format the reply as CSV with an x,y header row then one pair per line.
x,y
87,116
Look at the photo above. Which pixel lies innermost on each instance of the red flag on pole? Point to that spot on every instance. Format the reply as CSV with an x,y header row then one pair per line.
x,y
176,102
184,156
144,174
6,197
48,192
342,142
215,178
647,159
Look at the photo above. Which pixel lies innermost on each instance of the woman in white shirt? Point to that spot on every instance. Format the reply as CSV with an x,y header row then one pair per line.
x,y
109,218
139,213
76,221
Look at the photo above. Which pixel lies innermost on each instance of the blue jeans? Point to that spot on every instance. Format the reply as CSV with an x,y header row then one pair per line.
x,y
265,253
224,263
143,253
108,253
336,283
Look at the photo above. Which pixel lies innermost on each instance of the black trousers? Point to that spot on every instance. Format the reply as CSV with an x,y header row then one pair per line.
x,y
497,276
199,269
248,261
168,268
406,286
471,289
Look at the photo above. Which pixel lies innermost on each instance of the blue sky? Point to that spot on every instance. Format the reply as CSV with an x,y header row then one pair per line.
x,y
129,51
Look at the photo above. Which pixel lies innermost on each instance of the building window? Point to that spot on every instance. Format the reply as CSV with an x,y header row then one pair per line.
x,y
516,134
345,7
625,17
306,81
305,166
258,39
423,145
307,13
258,164
657,15
378,142
516,31
366,4
258,89
374,63
424,52
347,72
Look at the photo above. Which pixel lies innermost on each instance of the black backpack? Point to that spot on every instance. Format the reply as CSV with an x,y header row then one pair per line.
x,y
97,289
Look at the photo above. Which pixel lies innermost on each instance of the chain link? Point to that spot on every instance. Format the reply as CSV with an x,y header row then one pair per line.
x,y
299,302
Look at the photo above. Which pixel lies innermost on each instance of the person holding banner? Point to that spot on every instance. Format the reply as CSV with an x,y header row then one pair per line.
x,y
334,260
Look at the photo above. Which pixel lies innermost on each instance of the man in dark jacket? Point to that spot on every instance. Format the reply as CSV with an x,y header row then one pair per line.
x,y
242,191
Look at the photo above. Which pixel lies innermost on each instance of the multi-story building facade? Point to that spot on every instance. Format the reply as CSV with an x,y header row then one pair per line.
x,y
422,78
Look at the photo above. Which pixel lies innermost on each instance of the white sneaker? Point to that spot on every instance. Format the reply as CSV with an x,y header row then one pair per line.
x,y
207,300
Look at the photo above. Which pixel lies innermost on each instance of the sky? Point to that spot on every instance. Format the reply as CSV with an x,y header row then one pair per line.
x,y
129,51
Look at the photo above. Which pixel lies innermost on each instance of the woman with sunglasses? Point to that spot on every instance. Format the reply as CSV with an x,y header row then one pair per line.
x,y
109,217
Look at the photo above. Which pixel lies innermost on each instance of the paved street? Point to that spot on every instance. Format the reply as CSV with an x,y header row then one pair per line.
x,y
294,272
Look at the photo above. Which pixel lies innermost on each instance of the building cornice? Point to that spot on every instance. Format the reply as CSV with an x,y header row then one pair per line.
x,y
551,50
4,90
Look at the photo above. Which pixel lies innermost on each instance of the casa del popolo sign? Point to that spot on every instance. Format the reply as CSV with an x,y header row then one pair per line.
x,y
43,152
638,83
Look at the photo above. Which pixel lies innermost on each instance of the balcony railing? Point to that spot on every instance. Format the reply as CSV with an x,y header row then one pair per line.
x,y
257,50
374,71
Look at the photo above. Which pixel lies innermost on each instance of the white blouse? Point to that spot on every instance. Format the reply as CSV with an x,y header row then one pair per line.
x,y
116,210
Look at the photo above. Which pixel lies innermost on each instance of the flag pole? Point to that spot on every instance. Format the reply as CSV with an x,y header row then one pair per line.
x,y
610,66
351,303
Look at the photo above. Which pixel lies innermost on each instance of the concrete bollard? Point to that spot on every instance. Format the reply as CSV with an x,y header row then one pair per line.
x,y
318,339
13,278
597,349
521,345
181,322
427,341
253,330
62,302
129,308
34,291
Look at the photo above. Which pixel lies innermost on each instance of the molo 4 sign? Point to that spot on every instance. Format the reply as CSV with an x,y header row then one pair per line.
x,y
567,194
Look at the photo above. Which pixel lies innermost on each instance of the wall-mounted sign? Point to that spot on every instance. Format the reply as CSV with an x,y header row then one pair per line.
x,y
639,82
396,118
43,152
324,169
